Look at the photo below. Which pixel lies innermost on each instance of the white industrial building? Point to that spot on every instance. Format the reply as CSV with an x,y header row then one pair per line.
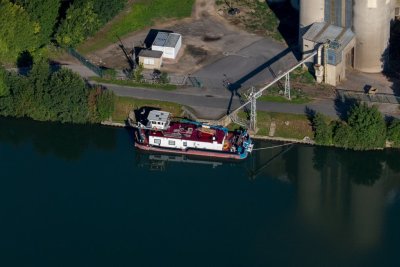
x,y
168,43
335,21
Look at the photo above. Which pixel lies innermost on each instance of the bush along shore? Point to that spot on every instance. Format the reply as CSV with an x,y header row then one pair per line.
x,y
47,95
363,129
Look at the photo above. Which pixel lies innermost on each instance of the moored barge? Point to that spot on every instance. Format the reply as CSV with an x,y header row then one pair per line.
x,y
160,133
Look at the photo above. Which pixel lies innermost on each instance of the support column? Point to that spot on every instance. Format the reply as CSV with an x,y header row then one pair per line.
x,y
287,86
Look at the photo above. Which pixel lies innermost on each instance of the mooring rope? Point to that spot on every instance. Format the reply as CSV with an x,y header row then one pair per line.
x,y
270,147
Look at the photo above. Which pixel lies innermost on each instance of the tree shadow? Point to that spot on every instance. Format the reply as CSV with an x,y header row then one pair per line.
x,y
24,62
310,113
343,105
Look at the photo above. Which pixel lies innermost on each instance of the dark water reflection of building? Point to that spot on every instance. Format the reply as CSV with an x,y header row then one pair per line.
x,y
342,195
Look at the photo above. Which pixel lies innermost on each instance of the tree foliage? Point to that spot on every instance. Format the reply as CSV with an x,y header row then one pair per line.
x,y
53,96
138,73
343,135
369,127
17,32
79,23
44,13
3,86
322,130
105,9
364,129
394,132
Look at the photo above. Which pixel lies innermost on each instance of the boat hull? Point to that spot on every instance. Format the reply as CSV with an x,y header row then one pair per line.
x,y
192,152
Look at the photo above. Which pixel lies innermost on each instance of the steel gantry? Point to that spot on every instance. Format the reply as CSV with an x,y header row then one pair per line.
x,y
254,94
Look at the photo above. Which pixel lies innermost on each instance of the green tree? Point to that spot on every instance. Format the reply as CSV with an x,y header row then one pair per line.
x,y
322,130
394,132
79,23
105,9
137,74
39,79
17,32
368,127
69,97
343,135
4,90
45,14
164,78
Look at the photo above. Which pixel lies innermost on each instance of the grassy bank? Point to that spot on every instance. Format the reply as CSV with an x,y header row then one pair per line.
x,y
123,105
287,125
167,87
136,16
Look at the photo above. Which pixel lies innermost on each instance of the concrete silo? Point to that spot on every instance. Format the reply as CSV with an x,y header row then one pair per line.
x,y
371,24
310,11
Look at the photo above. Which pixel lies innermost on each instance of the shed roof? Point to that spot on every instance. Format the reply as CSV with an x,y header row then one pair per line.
x,y
321,32
161,38
150,53
166,39
172,40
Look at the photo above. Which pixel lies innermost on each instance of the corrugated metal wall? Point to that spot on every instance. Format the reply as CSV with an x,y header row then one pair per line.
x,y
336,9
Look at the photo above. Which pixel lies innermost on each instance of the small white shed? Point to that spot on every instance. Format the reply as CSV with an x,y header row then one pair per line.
x,y
168,43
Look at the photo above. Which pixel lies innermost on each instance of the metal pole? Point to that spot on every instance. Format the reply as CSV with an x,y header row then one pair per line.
x,y
287,86
253,110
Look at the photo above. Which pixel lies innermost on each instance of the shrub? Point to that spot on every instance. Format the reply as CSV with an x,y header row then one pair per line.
x,y
343,135
322,130
393,133
368,126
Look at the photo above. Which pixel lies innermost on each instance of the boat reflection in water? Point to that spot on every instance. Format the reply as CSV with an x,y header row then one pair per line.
x,y
160,162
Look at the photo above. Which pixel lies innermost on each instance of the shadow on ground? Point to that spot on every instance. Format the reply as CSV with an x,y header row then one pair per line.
x,y
391,58
288,23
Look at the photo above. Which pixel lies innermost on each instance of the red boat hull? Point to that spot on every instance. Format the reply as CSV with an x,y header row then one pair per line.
x,y
191,152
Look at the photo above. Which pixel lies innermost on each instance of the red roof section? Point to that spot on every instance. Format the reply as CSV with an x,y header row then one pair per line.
x,y
192,132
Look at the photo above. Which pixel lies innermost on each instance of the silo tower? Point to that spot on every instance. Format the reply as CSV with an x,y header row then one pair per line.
x,y
310,11
371,24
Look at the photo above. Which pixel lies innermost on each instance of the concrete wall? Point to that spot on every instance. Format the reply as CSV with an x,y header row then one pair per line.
x,y
372,28
157,63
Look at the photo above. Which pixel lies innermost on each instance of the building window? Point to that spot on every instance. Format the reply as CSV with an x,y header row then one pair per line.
x,y
157,141
149,61
171,143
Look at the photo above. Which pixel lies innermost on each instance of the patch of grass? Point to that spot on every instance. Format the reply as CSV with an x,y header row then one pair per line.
x,y
282,99
274,94
292,125
302,76
167,87
140,14
256,16
287,125
123,105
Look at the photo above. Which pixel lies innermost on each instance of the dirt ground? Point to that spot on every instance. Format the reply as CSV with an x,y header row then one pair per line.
x,y
207,37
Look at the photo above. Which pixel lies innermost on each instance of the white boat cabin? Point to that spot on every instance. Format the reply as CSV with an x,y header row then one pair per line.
x,y
158,120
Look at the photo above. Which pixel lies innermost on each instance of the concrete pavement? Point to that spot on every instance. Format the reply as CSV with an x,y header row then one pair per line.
x,y
213,107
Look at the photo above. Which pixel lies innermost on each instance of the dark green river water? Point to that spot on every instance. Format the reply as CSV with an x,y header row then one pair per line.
x,y
82,196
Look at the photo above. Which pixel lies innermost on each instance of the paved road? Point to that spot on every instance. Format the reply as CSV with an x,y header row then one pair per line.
x,y
213,107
